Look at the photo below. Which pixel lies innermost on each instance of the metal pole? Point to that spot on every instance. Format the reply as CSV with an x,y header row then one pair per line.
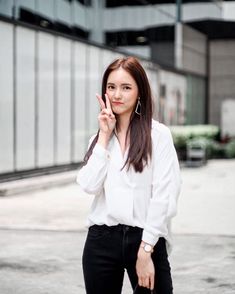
x,y
178,35
179,11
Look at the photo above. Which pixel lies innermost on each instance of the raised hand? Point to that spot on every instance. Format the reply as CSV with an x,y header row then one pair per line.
x,y
107,120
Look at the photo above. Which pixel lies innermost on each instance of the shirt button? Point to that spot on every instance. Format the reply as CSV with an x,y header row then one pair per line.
x,y
108,156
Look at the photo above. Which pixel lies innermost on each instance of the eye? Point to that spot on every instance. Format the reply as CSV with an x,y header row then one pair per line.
x,y
110,87
126,88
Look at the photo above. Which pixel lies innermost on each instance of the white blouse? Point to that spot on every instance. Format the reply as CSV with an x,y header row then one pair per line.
x,y
147,200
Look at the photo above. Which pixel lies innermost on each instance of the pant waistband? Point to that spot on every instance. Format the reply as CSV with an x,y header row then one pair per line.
x,y
120,227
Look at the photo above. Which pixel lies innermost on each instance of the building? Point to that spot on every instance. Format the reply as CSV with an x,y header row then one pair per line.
x,y
52,55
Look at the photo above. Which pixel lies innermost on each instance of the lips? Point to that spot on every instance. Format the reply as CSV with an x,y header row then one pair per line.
x,y
117,103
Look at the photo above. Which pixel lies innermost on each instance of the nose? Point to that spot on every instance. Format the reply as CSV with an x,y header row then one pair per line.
x,y
117,94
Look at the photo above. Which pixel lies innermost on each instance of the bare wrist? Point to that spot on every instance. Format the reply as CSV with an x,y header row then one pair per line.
x,y
142,255
103,139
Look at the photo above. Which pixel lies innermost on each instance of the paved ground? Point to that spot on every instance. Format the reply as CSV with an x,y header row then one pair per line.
x,y
42,235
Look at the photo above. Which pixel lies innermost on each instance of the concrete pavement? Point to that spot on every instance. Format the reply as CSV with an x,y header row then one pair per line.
x,y
42,235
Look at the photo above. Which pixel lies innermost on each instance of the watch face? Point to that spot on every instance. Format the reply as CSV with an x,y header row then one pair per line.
x,y
147,248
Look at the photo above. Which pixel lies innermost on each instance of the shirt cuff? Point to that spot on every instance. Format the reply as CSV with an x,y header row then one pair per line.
x,y
101,152
149,238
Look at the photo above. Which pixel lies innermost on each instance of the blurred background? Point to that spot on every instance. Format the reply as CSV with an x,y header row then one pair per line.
x,y
53,54
52,57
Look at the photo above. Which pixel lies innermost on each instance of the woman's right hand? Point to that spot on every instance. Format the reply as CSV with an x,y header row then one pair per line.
x,y
106,118
107,121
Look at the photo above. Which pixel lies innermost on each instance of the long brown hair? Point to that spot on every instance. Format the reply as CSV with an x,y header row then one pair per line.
x,y
140,150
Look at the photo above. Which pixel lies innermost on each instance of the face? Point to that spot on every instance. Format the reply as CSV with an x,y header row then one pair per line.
x,y
122,91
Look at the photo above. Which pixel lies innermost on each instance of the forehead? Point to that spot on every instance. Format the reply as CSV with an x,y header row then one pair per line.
x,y
120,75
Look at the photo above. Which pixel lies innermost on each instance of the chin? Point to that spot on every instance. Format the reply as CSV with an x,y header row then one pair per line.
x,y
120,113
117,111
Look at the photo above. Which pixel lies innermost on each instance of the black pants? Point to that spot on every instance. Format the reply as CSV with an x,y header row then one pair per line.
x,y
110,250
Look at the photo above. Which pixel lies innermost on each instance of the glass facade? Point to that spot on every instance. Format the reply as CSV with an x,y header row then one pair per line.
x,y
65,16
25,103
48,108
172,98
108,22
6,98
48,80
45,94
196,100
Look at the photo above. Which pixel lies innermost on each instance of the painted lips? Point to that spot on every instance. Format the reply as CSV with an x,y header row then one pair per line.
x,y
117,103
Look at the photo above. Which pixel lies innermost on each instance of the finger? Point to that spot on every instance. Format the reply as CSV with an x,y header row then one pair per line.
x,y
105,111
108,112
101,102
140,282
152,282
107,117
108,104
146,282
103,117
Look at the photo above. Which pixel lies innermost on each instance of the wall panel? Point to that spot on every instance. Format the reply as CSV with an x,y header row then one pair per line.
x,y
25,98
63,101
45,79
94,86
6,99
80,98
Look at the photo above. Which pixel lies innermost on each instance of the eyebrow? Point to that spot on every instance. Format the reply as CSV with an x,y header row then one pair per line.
x,y
124,84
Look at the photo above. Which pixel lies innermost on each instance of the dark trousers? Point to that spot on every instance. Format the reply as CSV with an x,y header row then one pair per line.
x,y
109,250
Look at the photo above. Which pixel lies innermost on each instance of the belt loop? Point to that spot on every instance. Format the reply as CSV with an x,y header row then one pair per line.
x,y
126,228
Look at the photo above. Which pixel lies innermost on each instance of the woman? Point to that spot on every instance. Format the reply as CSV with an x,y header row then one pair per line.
x,y
132,169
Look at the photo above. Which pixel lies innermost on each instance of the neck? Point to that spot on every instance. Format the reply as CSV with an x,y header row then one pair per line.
x,y
123,122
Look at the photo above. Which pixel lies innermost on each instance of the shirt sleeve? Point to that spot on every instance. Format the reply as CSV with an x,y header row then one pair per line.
x,y
92,175
166,184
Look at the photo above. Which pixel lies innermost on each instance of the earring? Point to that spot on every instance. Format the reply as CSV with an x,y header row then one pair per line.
x,y
138,107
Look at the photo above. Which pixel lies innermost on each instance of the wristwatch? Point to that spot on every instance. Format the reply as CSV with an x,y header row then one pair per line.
x,y
147,248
